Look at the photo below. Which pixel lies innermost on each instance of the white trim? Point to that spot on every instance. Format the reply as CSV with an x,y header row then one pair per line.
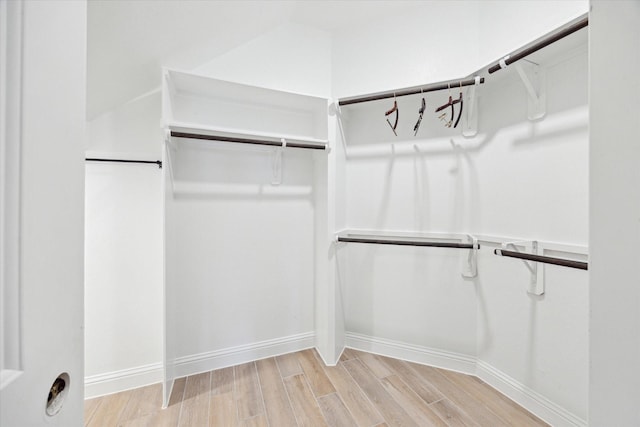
x,y
413,353
125,379
533,401
203,362
528,398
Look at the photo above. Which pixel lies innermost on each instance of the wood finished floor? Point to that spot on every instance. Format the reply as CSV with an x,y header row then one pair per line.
x,y
298,390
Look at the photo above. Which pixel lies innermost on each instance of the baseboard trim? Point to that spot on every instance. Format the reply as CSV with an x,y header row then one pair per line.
x,y
516,391
125,379
116,381
528,398
203,362
419,354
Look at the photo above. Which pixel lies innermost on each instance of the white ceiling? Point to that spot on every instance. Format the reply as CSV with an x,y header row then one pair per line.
x,y
129,40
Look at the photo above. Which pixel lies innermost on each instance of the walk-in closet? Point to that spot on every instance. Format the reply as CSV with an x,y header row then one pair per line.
x,y
319,213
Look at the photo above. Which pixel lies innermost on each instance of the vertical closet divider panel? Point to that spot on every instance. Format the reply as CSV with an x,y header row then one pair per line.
x,y
246,201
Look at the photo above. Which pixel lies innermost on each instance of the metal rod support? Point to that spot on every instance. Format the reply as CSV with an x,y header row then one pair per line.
x,y
406,242
153,162
247,140
541,44
409,91
544,259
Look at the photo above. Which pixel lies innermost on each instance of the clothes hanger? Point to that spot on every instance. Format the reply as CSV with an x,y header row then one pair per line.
x,y
459,100
420,112
391,111
444,106
450,104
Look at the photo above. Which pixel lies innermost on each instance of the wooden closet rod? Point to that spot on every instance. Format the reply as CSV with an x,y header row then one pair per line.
x,y
407,243
292,144
154,162
516,56
545,259
410,91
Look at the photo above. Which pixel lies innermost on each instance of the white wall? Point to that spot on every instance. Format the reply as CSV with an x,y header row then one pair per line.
x,y
531,182
51,208
507,25
123,249
515,180
131,130
123,276
291,57
614,375
407,48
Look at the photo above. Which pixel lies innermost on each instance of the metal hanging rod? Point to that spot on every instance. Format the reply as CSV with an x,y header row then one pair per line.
x,y
308,145
516,56
154,162
411,91
581,265
407,243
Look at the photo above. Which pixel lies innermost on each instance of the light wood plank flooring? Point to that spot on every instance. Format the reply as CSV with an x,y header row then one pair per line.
x,y
298,390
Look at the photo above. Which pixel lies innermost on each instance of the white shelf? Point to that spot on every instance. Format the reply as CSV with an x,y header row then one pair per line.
x,y
241,133
203,105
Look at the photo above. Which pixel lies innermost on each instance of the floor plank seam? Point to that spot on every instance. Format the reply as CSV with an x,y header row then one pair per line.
x,y
286,391
366,396
315,399
264,404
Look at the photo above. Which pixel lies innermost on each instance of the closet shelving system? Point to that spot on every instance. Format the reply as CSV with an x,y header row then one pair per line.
x,y
202,108
205,109
202,113
538,54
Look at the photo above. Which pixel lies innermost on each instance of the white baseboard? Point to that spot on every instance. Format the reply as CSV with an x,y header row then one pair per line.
x,y
528,398
428,356
112,382
203,362
533,401
125,379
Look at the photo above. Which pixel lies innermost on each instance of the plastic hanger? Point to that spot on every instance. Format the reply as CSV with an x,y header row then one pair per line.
x,y
391,111
420,112
461,105
444,106
450,104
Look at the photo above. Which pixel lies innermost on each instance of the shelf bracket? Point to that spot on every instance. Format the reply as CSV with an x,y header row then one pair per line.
x,y
536,283
470,259
470,119
535,82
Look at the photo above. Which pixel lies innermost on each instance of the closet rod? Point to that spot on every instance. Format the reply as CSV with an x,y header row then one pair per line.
x,y
409,91
545,259
154,162
407,243
292,144
516,56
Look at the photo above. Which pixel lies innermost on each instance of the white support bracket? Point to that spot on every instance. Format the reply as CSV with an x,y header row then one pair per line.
x,y
276,163
536,284
535,82
470,118
168,144
470,259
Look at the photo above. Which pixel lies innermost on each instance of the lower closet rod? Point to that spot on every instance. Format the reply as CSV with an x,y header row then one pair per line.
x,y
408,243
154,162
581,265
247,140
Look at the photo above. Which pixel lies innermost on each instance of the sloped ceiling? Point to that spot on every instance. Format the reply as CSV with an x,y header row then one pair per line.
x,y
130,40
